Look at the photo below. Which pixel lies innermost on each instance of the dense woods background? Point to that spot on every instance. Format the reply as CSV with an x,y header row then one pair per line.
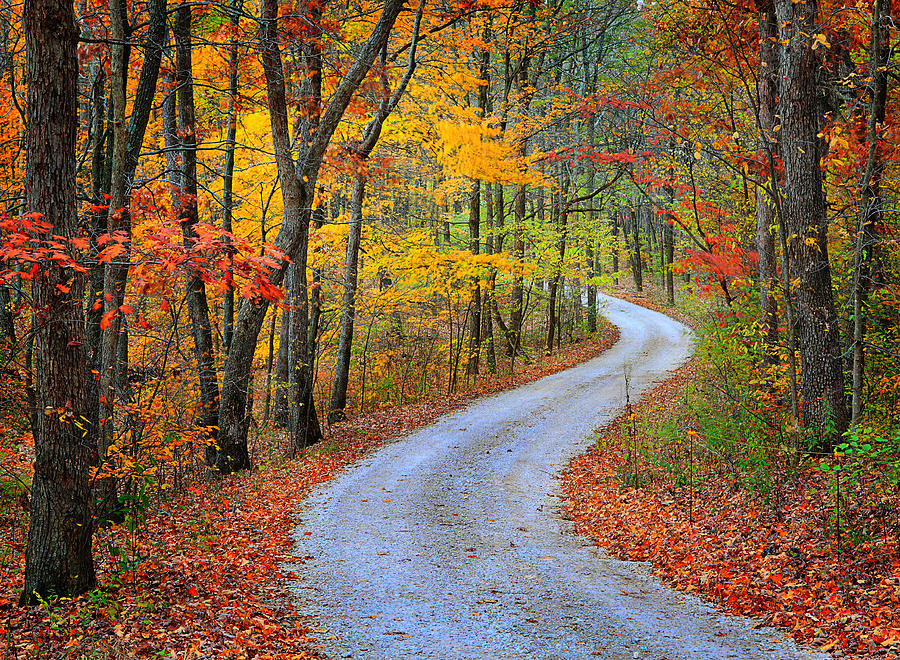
x,y
220,220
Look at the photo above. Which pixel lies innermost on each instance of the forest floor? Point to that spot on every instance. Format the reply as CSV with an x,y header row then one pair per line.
x,y
199,574
774,557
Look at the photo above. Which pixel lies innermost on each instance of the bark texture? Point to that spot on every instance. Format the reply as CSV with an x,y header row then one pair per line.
x,y
58,558
824,409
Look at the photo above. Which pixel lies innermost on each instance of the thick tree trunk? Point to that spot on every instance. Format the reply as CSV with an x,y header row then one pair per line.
x,y
824,409
58,557
765,204
304,422
197,302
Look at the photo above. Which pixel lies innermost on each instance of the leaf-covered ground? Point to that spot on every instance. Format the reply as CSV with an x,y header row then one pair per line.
x,y
201,577
772,560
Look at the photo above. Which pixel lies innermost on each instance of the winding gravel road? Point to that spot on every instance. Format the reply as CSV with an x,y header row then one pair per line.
x,y
449,544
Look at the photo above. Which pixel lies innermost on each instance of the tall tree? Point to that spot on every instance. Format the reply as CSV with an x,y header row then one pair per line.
x,y
800,110
765,197
297,178
362,150
197,301
58,558
872,210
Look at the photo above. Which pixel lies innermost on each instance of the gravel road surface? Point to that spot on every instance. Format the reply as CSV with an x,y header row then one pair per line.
x,y
449,543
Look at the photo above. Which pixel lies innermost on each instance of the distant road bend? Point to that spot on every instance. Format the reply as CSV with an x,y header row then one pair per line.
x,y
449,544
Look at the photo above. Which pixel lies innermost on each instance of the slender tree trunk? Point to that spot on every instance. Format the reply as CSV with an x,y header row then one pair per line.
x,y
115,271
195,287
475,248
282,368
487,316
348,304
106,328
614,226
267,407
669,238
58,557
637,266
561,214
824,409
228,177
872,212
517,313
765,206
371,134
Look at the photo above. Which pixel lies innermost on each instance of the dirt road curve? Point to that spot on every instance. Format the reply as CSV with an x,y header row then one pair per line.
x,y
449,544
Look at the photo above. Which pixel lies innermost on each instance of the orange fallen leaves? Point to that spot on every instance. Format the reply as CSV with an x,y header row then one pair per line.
x,y
766,560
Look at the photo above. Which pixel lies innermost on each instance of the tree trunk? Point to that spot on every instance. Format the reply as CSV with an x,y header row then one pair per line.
x,y
487,316
475,248
58,557
824,409
348,304
228,177
872,212
614,226
197,303
282,368
297,180
115,271
669,240
637,266
561,214
516,317
371,135
517,313
115,162
765,205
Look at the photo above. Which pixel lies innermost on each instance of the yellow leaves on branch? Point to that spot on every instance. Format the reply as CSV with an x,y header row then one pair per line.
x,y
478,151
421,270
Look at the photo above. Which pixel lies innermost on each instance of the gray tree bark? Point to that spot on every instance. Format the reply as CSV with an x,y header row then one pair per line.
x,y
824,409
58,557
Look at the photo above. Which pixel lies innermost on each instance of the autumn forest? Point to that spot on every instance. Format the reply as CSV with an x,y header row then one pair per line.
x,y
245,244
